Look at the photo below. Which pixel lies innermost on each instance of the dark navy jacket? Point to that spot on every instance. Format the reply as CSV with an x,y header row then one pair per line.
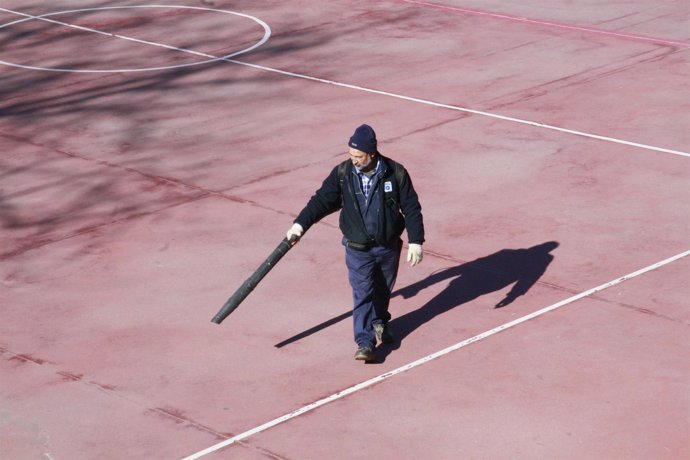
x,y
396,205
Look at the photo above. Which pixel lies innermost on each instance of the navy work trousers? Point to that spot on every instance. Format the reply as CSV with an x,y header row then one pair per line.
x,y
372,276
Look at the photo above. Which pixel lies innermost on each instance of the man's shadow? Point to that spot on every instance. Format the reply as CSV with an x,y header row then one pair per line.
x,y
470,280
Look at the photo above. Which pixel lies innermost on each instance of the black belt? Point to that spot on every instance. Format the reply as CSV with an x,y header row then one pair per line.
x,y
358,246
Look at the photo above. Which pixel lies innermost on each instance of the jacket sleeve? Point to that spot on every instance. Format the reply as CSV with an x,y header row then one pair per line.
x,y
412,210
326,200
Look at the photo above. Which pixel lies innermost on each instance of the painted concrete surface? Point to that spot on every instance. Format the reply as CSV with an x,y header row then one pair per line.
x,y
134,204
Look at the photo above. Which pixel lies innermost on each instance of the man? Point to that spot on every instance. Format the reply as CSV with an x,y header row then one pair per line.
x,y
377,202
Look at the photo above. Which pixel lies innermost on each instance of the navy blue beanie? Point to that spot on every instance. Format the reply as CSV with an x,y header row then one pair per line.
x,y
364,139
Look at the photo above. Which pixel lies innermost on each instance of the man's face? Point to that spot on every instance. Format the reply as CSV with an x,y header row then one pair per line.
x,y
362,161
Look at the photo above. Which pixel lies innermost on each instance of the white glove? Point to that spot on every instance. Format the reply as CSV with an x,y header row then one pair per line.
x,y
414,254
295,230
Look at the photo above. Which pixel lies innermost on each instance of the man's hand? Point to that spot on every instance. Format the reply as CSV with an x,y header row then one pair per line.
x,y
414,254
295,230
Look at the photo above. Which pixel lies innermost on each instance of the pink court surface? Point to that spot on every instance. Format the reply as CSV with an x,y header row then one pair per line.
x,y
154,155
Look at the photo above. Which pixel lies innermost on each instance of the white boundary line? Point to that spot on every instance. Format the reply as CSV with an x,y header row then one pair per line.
x,y
211,58
452,348
463,109
362,88
426,359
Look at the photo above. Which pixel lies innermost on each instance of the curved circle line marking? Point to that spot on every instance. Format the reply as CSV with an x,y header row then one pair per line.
x,y
211,58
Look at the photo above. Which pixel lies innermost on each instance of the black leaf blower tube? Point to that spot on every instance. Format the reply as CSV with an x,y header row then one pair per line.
x,y
248,286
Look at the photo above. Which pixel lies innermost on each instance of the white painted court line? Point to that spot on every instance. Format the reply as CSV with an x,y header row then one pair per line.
x,y
464,109
388,94
211,58
431,357
447,350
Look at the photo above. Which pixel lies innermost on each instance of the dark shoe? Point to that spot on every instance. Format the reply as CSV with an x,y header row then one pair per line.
x,y
383,333
365,354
